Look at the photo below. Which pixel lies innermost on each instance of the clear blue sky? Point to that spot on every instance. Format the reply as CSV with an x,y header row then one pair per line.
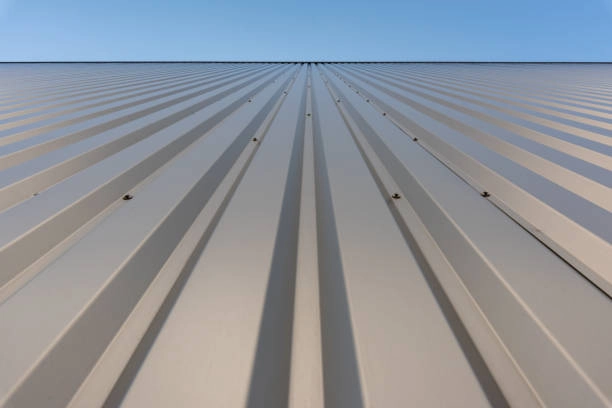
x,y
312,30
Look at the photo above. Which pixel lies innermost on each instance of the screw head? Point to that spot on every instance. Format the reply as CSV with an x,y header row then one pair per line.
x,y
250,100
396,196
415,138
384,113
309,114
254,139
337,100
485,194
127,197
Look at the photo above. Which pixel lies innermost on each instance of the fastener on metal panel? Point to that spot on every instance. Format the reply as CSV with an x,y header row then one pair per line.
x,y
128,197
485,194
250,100
308,114
396,196
367,100
285,93
254,139
35,194
415,138
384,113
337,100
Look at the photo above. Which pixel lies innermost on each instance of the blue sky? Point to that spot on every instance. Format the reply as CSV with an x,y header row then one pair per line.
x,y
541,30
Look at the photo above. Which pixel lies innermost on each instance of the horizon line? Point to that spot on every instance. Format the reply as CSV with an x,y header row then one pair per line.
x,y
297,62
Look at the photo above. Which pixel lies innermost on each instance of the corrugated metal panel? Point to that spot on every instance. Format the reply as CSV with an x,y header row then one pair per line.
x,y
305,235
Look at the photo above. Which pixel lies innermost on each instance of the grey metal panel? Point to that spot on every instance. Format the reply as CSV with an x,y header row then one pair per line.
x,y
305,235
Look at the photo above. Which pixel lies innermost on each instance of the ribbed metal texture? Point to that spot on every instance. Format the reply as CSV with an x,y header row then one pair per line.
x,y
305,235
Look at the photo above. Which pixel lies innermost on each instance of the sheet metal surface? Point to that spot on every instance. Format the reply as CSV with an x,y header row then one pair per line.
x,y
305,235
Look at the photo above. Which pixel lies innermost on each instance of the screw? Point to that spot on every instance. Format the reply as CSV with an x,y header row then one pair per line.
x,y
250,100
337,100
367,100
384,113
285,93
396,196
485,194
127,197
308,114
415,139
254,139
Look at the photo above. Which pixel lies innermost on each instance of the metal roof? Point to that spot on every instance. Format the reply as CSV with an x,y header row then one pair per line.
x,y
305,235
